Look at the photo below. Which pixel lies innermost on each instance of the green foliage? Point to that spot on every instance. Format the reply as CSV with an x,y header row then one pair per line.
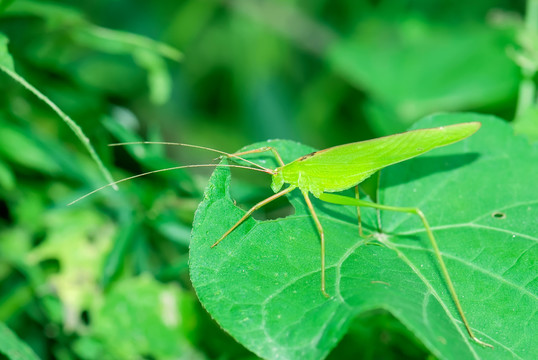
x,y
318,72
141,316
5,58
12,347
262,282
419,73
527,124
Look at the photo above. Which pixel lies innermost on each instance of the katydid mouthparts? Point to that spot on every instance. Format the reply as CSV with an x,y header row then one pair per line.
x,y
325,172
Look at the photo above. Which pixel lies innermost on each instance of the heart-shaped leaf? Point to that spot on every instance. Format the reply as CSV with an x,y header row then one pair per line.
x,y
262,283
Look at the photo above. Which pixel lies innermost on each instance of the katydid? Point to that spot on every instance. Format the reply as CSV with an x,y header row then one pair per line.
x,y
342,167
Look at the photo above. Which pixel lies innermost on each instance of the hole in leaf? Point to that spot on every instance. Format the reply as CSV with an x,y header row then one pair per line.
x,y
4,212
383,333
85,317
39,236
498,215
50,266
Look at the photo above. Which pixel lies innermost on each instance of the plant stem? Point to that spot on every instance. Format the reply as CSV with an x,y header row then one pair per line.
x,y
527,88
70,122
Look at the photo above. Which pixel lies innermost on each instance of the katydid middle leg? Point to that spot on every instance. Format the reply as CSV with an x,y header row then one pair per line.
x,y
357,196
322,238
345,200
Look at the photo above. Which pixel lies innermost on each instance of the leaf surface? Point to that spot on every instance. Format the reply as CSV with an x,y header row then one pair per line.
x,y
262,283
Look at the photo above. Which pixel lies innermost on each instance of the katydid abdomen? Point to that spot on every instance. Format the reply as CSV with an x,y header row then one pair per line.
x,y
342,167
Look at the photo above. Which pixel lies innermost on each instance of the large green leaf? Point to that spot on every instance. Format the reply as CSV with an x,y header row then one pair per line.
x,y
262,282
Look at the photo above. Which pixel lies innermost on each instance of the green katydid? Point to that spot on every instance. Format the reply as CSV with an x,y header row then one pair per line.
x,y
338,168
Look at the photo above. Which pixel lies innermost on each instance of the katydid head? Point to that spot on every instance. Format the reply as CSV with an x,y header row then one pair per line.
x,y
278,180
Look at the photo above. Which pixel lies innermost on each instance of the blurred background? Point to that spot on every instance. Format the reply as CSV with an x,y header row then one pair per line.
x,y
81,282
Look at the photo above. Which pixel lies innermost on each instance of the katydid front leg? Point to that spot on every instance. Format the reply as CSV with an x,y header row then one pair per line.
x,y
263,202
251,210
345,200
263,149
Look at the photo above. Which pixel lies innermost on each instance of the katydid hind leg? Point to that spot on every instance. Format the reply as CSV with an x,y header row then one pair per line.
x,y
446,275
345,200
322,241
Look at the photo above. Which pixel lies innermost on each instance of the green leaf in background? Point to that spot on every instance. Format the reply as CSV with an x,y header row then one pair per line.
x,y
79,241
13,348
7,178
527,124
160,84
4,4
141,317
33,156
262,282
147,53
413,68
5,57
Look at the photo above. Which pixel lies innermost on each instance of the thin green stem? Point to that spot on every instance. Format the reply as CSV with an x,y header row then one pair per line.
x,y
531,17
527,93
76,129
527,87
